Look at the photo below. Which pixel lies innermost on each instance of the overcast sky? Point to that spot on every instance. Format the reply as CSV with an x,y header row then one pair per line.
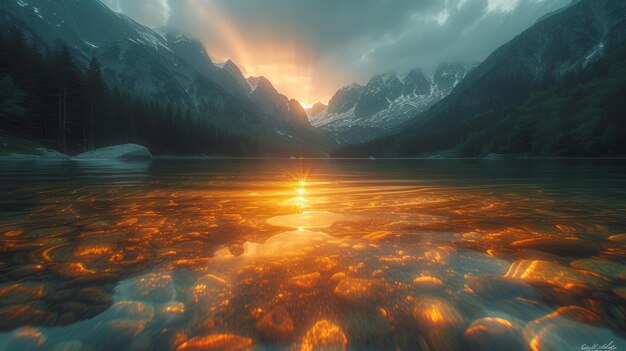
x,y
309,49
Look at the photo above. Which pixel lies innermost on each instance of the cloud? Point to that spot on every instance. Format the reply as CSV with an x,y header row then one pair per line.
x,y
152,13
309,49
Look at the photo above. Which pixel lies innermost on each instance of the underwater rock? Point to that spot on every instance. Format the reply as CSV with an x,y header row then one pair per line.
x,y
558,296
569,328
217,342
570,246
431,312
442,255
73,270
153,287
211,280
338,276
120,332
26,338
132,310
547,273
428,283
495,287
32,313
276,326
305,281
610,270
172,312
93,296
324,335
377,236
95,279
494,334
307,220
22,292
617,237
439,322
578,314
523,309
357,291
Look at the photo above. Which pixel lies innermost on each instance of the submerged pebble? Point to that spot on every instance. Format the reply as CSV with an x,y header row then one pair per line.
x,y
439,322
607,269
544,272
357,291
305,281
569,328
494,287
569,246
494,334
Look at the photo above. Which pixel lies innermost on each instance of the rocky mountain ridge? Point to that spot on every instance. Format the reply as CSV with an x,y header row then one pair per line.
x,y
359,113
160,65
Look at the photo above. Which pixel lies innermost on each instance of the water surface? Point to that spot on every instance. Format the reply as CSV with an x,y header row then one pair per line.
x,y
313,254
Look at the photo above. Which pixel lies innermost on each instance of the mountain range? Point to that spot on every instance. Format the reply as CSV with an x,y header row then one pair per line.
x,y
359,113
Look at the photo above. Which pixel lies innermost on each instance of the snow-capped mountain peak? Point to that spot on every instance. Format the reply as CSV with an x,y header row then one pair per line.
x,y
357,113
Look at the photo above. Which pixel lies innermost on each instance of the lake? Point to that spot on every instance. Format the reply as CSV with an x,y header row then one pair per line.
x,y
235,254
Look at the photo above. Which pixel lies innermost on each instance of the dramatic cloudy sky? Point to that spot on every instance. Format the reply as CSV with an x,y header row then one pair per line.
x,y
309,49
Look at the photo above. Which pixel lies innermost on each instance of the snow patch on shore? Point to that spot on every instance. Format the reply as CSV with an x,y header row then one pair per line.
x,y
117,152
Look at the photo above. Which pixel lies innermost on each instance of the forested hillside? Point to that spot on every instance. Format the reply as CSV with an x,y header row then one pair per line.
x,y
45,97
585,114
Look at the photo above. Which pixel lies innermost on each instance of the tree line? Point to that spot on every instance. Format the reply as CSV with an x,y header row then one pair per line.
x,y
47,98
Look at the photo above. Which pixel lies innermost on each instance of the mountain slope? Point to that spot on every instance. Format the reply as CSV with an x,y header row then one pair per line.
x,y
357,113
159,65
536,60
316,109
582,115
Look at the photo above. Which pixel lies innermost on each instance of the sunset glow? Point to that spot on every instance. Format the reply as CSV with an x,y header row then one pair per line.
x,y
285,61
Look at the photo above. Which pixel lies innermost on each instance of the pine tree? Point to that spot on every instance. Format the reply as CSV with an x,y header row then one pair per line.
x,y
96,92
70,90
11,103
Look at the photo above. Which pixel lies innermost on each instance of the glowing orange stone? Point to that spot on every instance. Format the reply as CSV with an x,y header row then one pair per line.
x,y
428,283
324,335
217,342
541,272
435,312
492,333
305,281
357,291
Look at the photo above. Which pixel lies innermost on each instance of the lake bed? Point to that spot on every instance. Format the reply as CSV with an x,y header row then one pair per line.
x,y
192,254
